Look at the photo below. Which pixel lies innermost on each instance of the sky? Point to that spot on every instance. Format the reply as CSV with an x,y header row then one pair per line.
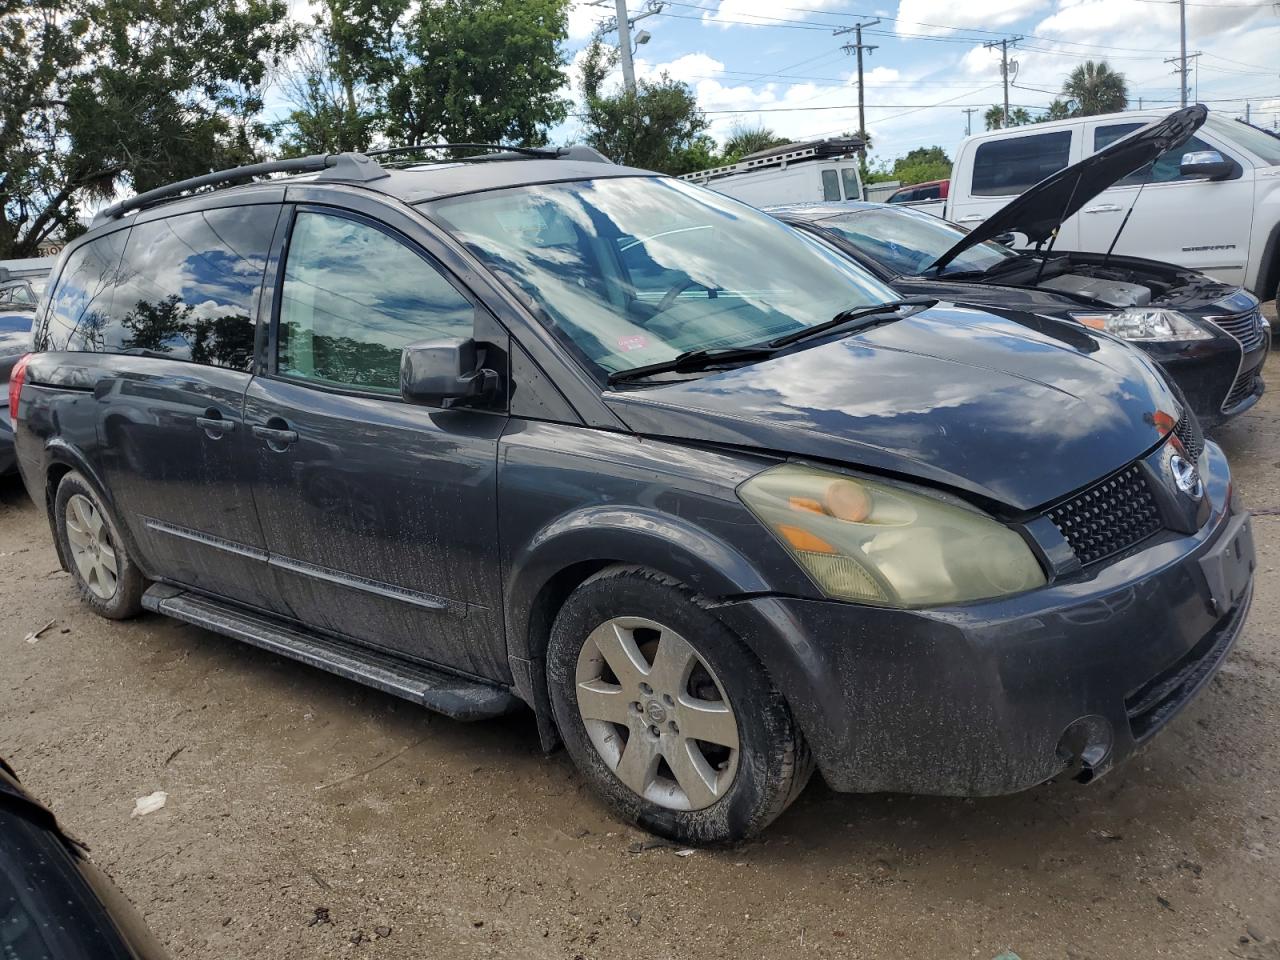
x,y
778,63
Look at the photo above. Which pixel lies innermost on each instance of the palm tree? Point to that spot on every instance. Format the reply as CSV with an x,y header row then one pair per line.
x,y
1096,88
744,140
1018,117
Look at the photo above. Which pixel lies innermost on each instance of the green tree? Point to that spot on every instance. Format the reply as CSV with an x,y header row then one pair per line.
x,y
922,164
659,127
485,71
1018,117
744,140
105,94
1096,88
339,79
1058,110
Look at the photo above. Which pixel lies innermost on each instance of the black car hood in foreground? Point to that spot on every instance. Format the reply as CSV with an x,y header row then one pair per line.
x,y
1012,407
1043,208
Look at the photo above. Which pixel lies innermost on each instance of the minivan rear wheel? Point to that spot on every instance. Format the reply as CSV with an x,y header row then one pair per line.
x,y
106,576
667,713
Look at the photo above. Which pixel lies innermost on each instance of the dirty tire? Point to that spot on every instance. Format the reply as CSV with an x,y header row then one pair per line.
x,y
126,600
773,761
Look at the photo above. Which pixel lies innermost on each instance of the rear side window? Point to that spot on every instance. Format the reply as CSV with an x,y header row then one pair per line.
x,y
189,286
830,185
1167,166
1003,168
78,315
353,298
849,177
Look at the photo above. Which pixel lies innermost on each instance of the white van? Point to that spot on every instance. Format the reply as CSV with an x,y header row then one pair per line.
x,y
794,173
1212,204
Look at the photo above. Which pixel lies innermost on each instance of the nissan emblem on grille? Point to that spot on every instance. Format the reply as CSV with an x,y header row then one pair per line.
x,y
1186,477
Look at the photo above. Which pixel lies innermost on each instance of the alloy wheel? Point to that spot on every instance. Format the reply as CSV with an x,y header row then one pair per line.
x,y
657,714
91,548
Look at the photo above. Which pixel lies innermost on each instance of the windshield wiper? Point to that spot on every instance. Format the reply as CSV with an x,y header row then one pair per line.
x,y
849,316
693,360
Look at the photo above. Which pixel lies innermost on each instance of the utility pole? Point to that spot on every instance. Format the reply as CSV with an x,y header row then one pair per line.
x,y
623,23
858,46
1004,46
968,120
1182,29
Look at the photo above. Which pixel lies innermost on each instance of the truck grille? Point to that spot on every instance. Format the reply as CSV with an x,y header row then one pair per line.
x,y
1188,431
1109,517
1245,327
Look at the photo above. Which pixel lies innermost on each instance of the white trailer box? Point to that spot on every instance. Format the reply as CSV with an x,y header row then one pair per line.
x,y
794,173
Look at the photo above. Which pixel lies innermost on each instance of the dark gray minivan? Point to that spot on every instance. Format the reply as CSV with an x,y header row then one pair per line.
x,y
713,502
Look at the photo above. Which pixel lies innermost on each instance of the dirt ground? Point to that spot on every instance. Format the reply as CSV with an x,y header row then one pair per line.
x,y
294,795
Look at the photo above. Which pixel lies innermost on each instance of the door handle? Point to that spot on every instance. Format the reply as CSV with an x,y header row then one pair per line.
x,y
215,426
972,218
1103,208
278,438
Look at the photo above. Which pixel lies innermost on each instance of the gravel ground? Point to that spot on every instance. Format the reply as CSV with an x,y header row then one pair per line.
x,y
309,817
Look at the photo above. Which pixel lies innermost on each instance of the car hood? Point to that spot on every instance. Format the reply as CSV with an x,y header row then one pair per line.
x,y
1012,407
1043,208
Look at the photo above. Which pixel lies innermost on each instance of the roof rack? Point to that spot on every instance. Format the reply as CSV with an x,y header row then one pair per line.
x,y
349,167
334,166
782,156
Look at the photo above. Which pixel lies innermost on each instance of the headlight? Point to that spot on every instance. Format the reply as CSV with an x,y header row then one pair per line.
x,y
1145,323
877,543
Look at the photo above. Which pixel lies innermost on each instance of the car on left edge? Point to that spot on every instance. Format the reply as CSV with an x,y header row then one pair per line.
x,y
20,291
55,904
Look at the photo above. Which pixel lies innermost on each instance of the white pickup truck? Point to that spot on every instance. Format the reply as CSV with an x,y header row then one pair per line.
x,y
1212,204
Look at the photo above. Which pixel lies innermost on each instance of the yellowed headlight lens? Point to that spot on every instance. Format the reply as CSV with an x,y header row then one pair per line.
x,y
877,543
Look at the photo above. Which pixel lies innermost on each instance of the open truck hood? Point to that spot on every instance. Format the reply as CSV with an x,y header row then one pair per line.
x,y
1012,407
1042,209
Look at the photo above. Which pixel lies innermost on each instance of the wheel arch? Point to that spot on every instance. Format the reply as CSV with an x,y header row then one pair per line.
x,y
62,458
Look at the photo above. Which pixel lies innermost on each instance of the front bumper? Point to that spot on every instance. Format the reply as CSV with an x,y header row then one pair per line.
x,y
998,696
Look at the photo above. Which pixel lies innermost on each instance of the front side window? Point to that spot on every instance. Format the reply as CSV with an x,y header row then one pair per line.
x,y
1005,168
1167,166
630,271
908,242
830,185
353,298
78,316
189,286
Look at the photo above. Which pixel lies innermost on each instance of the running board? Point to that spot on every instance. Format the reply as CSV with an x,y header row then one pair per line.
x,y
445,693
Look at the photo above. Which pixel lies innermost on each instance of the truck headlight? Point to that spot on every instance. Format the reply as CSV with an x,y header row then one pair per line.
x,y
1145,324
877,543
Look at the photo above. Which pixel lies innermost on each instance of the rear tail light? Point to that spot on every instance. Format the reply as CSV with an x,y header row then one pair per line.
x,y
16,378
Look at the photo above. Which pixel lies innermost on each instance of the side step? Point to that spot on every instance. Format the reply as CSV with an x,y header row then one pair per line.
x,y
445,693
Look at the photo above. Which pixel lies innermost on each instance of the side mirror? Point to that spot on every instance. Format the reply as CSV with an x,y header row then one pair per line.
x,y
1206,163
445,374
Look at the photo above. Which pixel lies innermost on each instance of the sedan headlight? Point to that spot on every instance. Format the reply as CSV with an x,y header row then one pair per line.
x,y
877,543
1145,324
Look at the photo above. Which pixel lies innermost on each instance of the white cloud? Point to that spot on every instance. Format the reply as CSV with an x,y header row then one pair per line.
x,y
731,13
941,17
583,17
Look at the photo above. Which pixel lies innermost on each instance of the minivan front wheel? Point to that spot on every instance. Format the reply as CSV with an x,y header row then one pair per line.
x,y
667,713
106,576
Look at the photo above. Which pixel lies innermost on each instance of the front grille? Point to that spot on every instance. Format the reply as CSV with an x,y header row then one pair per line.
x,y
1245,327
1188,431
1109,517
1245,386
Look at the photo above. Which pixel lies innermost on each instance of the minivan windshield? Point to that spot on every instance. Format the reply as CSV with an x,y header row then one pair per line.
x,y
909,241
1258,142
632,271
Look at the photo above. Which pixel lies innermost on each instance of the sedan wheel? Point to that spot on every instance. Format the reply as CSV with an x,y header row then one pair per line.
x,y
656,714
91,548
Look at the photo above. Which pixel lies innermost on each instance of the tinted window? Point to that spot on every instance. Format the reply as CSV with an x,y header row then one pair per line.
x,y
1003,168
78,316
1167,165
353,298
848,176
830,185
189,286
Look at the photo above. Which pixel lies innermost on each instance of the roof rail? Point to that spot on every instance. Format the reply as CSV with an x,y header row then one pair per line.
x,y
336,166
549,153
